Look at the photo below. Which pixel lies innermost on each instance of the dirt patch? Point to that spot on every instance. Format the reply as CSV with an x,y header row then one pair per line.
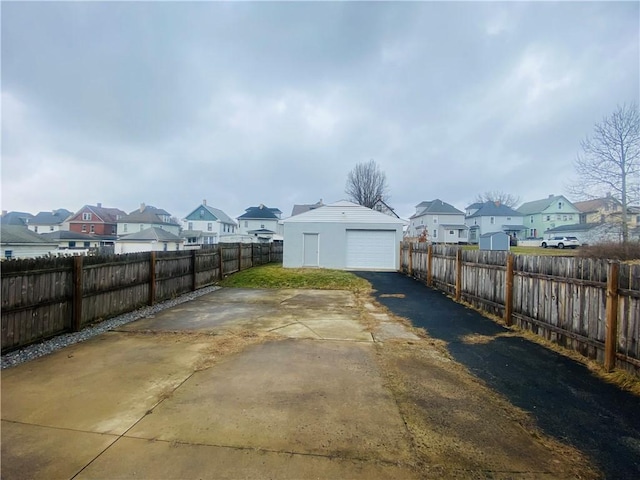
x,y
392,295
462,429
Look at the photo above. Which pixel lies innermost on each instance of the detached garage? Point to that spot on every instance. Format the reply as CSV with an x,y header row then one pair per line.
x,y
342,235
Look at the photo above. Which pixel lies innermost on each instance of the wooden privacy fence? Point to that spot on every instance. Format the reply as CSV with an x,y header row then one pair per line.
x,y
45,297
588,305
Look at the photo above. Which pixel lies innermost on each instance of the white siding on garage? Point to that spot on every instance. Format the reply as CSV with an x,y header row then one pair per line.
x,y
371,249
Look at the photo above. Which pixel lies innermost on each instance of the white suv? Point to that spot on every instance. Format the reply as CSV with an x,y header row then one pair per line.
x,y
561,242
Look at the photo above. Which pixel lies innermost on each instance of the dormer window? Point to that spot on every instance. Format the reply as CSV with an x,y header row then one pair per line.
x,y
86,216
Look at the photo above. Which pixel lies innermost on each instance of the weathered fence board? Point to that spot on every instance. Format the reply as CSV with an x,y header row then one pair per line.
x,y
562,299
42,298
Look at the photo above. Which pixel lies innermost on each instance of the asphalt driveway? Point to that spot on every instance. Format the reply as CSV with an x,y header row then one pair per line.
x,y
567,401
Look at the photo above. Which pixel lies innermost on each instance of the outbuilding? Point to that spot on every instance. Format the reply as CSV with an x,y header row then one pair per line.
x,y
344,236
495,241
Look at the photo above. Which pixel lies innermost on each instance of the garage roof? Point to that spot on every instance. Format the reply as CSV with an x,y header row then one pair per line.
x,y
344,212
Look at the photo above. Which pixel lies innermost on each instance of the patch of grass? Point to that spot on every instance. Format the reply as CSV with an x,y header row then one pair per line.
x,y
275,276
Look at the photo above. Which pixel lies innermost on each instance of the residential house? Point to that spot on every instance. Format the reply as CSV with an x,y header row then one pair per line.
x,y
152,239
18,241
551,212
302,208
72,242
439,221
490,217
99,221
607,210
261,223
382,207
207,225
144,217
45,222
15,218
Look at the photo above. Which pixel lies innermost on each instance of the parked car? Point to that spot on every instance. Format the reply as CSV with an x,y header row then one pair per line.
x,y
561,242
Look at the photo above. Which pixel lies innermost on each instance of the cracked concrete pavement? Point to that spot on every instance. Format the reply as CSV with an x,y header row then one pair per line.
x,y
266,384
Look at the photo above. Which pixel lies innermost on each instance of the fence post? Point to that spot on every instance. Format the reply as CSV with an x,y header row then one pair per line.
x,y
194,280
429,265
611,328
240,256
221,261
152,278
508,291
410,259
76,320
458,275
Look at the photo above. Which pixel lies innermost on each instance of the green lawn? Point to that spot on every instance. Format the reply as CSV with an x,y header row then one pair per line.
x,y
275,276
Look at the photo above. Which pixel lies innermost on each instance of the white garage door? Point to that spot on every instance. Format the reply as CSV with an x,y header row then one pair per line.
x,y
371,249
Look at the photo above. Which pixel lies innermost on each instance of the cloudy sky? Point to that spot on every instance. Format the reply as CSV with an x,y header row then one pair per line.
x,y
274,103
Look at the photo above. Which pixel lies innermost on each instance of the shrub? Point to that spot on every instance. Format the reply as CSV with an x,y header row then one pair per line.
x,y
614,251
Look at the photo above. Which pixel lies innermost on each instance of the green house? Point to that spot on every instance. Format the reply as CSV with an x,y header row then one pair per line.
x,y
550,212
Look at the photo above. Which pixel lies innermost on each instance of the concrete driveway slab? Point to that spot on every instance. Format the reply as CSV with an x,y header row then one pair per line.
x,y
103,385
135,458
288,396
33,451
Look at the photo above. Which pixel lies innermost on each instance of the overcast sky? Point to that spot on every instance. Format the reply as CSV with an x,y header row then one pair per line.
x,y
274,103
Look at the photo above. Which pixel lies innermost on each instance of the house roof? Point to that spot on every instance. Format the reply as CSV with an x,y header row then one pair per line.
x,y
260,212
576,227
436,206
595,204
15,218
104,214
262,230
458,226
209,213
494,209
475,205
147,214
150,234
298,209
68,235
16,234
344,212
55,217
538,206
384,204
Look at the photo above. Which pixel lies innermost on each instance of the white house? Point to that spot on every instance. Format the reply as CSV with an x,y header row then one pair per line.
x,y
342,235
152,239
262,223
382,207
147,216
207,225
439,221
490,217
46,222
20,242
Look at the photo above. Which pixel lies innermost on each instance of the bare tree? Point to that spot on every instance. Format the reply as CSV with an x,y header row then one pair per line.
x,y
610,161
498,196
366,183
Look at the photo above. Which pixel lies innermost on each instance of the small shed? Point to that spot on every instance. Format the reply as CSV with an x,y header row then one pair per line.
x,y
344,236
152,239
494,241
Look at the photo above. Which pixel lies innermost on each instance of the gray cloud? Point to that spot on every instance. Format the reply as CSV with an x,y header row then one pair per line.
x,y
170,103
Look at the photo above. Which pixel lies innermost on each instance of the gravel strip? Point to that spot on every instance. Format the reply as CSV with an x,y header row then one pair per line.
x,y
48,346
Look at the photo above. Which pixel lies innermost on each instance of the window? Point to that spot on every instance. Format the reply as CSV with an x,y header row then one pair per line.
x,y
84,228
35,229
72,244
492,220
165,246
8,254
435,233
190,226
564,217
570,217
93,229
548,218
125,228
450,232
559,205
209,227
262,225
51,228
508,219
531,219
86,216
435,219
113,229
246,224
87,244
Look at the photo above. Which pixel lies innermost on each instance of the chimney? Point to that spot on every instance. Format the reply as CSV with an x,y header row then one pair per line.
x,y
551,196
204,202
497,202
99,205
142,205
4,212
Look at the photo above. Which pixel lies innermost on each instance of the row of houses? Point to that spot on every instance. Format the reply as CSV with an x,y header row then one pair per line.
x,y
591,221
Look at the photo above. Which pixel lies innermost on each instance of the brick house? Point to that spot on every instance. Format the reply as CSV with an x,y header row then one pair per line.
x,y
97,220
